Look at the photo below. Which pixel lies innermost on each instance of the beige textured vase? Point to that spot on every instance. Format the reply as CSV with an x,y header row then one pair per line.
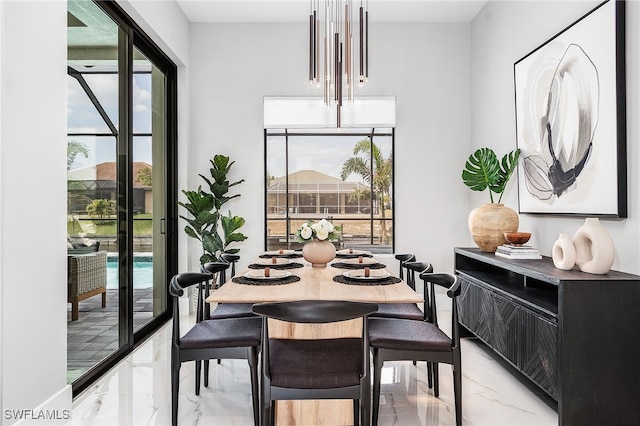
x,y
594,247
319,253
563,252
489,222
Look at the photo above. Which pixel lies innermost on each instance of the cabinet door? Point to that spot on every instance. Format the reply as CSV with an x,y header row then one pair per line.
x,y
475,304
507,328
539,351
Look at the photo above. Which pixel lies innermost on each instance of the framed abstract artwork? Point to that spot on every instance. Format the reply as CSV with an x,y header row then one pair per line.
x,y
570,119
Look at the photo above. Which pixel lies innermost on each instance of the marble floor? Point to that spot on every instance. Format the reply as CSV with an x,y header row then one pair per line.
x,y
136,392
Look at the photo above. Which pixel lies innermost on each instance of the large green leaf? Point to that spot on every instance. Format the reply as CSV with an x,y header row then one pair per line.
x,y
483,171
507,166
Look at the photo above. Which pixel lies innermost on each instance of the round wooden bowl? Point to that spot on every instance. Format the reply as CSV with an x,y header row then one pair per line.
x,y
517,238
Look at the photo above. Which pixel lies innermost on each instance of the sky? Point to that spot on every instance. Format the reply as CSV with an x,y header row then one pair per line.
x,y
82,117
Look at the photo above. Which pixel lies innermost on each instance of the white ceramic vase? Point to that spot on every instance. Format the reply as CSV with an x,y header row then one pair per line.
x,y
563,252
594,247
319,253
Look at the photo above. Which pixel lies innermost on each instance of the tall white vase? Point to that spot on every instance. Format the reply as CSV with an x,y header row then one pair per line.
x,y
563,252
594,247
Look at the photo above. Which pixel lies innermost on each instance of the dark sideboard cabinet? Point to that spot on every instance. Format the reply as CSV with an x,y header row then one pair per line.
x,y
575,335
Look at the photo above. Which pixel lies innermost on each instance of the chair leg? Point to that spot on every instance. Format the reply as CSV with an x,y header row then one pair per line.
x,y
436,386
104,299
356,412
198,371
175,387
377,370
206,373
457,388
74,309
253,366
430,374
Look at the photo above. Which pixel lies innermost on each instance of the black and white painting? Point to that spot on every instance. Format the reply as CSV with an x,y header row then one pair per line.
x,y
570,119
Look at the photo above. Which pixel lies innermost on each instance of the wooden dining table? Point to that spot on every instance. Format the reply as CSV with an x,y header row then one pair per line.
x,y
316,283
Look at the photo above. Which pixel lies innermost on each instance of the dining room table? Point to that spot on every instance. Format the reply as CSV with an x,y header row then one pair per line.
x,y
284,275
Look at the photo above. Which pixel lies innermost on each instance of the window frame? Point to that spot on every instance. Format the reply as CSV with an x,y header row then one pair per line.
x,y
372,134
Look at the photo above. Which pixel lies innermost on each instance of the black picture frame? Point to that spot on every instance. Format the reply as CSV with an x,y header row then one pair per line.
x,y
570,103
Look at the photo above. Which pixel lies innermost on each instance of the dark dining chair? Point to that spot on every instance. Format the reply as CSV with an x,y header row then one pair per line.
x,y
229,338
409,311
401,258
230,258
224,310
295,369
406,340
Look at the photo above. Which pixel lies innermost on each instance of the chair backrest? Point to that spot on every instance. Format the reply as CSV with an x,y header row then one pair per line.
x,y
176,288
216,268
452,284
315,311
402,258
213,268
419,267
412,267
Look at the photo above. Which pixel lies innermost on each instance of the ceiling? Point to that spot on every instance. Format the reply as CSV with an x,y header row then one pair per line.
x,y
298,10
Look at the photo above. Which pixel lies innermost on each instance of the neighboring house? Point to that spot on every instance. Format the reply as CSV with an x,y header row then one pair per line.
x,y
99,182
312,192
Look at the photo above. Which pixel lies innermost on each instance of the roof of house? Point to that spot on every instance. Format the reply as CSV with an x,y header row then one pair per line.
x,y
105,172
312,181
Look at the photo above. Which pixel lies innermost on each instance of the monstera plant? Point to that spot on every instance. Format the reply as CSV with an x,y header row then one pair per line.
x,y
217,232
483,171
489,222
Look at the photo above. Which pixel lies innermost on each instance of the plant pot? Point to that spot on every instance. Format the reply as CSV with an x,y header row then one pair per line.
x,y
319,253
489,222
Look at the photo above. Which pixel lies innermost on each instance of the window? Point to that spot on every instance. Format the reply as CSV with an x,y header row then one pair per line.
x,y
121,187
343,175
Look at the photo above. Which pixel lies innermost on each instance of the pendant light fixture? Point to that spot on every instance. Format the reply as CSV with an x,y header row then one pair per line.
x,y
336,42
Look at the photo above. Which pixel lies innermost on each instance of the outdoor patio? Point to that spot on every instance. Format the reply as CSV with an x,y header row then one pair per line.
x,y
95,334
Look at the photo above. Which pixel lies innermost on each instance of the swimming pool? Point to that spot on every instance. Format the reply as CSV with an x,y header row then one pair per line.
x,y
142,272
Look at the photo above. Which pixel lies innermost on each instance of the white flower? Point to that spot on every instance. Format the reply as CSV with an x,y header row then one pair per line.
x,y
316,226
328,226
306,232
322,234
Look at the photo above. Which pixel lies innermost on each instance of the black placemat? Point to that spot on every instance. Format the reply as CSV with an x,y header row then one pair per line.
x,y
382,281
343,265
292,265
286,280
351,256
284,256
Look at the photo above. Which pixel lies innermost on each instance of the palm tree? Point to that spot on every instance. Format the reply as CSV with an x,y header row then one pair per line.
x,y
73,149
377,177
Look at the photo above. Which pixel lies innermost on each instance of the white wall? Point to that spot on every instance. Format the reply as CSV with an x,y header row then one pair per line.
x,y
33,223
427,66
503,33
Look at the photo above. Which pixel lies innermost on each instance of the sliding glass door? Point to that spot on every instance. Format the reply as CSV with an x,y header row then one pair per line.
x,y
120,160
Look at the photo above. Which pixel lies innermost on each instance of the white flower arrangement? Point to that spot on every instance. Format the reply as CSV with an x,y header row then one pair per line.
x,y
321,231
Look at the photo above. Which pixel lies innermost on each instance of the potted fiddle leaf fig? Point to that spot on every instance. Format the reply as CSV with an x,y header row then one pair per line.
x,y
217,232
488,223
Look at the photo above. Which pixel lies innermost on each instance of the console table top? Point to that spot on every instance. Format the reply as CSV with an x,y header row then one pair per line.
x,y
542,269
